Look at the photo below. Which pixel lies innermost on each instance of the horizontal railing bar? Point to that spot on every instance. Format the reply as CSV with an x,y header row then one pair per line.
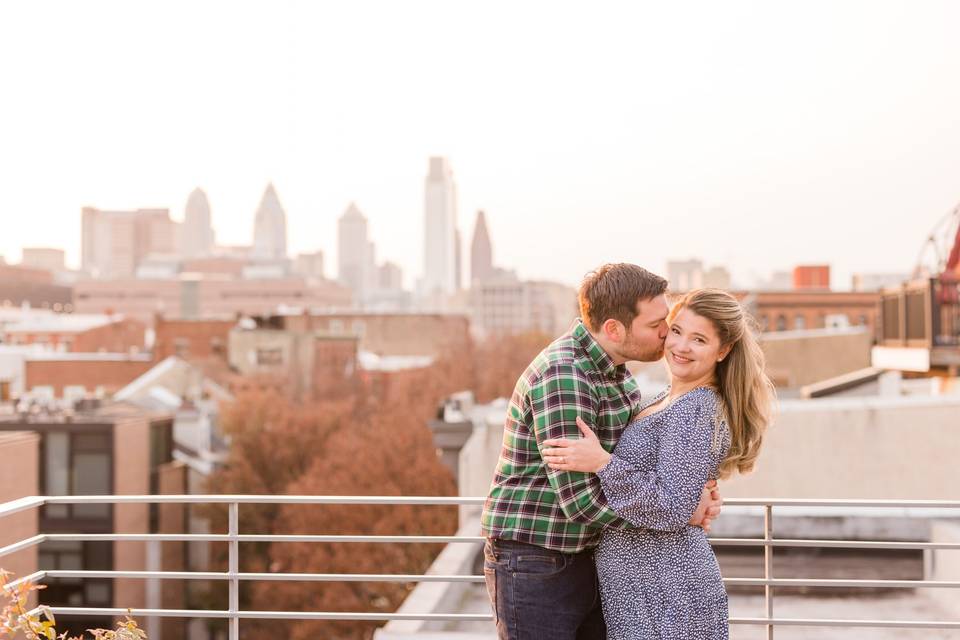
x,y
266,499
460,617
824,622
223,537
20,504
33,501
36,576
387,577
23,544
880,584
217,537
833,544
281,577
358,538
269,615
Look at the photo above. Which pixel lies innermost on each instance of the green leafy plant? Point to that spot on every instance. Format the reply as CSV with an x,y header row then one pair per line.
x,y
16,618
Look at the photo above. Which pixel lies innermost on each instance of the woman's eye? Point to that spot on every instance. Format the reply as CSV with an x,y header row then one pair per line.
x,y
674,330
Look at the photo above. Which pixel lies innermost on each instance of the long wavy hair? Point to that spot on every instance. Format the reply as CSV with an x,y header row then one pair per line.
x,y
747,393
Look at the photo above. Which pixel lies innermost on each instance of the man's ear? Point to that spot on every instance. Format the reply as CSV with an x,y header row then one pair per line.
x,y
613,330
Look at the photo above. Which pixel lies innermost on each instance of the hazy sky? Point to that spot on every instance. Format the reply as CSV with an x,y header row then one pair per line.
x,y
752,134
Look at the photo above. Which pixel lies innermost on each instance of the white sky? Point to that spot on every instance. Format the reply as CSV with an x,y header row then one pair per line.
x,y
752,134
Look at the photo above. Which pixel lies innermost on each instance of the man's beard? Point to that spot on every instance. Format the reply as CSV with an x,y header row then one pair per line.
x,y
634,350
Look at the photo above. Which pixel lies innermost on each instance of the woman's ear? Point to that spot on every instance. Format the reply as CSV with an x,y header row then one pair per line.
x,y
724,352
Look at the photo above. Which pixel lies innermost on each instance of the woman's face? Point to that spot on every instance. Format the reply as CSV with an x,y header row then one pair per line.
x,y
693,347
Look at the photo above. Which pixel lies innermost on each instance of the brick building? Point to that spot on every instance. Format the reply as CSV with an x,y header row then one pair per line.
x,y
816,277
390,334
787,310
191,338
309,364
36,287
77,332
113,449
76,375
207,295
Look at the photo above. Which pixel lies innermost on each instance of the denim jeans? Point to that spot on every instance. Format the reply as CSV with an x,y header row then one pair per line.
x,y
538,593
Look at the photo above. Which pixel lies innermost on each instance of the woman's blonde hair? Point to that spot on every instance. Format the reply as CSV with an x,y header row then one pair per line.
x,y
743,384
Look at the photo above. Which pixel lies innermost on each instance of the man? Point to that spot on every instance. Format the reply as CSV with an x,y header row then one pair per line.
x,y
541,524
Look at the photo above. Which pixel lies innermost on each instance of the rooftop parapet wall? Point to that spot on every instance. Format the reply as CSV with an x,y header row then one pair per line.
x,y
869,448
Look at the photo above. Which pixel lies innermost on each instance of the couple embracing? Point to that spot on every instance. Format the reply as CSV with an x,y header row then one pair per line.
x,y
597,516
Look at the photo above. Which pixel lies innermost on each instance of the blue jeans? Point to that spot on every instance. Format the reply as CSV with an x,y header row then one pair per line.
x,y
538,593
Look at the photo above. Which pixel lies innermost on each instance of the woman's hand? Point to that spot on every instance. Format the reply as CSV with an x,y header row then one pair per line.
x,y
585,454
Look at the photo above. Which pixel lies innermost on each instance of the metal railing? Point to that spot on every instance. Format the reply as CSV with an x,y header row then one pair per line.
x,y
234,614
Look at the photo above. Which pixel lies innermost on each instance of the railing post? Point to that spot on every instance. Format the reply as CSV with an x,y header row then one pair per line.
x,y
233,530
768,565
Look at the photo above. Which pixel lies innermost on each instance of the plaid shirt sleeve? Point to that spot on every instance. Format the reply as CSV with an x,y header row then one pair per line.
x,y
560,394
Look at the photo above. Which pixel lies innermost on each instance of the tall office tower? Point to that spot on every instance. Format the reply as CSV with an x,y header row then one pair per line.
x,y
114,243
481,251
197,239
354,252
440,230
270,227
457,261
684,275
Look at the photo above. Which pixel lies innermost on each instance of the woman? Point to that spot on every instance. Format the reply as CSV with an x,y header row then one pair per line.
x,y
661,578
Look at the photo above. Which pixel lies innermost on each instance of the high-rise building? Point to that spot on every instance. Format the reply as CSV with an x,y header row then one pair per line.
x,y
114,243
684,275
355,260
53,260
270,228
717,277
440,230
389,277
309,265
481,251
197,239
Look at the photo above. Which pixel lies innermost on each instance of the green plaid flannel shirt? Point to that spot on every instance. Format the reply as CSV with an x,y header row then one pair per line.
x,y
528,501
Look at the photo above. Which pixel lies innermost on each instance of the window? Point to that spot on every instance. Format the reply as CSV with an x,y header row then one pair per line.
x,y
181,347
269,356
799,322
781,322
77,464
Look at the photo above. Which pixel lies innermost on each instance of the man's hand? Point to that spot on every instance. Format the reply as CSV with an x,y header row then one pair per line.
x,y
709,507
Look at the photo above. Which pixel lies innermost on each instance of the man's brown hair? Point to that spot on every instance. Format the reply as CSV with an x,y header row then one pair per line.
x,y
613,291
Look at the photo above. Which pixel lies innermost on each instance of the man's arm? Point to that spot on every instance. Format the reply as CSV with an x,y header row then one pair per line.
x,y
557,397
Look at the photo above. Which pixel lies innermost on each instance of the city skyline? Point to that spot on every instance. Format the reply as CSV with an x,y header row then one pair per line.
x,y
713,156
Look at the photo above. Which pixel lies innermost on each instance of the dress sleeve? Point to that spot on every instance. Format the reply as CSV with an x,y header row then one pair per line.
x,y
665,499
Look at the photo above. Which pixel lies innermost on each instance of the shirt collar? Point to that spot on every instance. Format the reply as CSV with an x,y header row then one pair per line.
x,y
602,361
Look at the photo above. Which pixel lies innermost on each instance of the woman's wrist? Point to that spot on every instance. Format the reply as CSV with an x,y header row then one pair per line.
x,y
603,462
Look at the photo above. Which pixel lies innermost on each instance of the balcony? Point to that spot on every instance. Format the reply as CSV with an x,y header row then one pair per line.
x,y
940,551
921,325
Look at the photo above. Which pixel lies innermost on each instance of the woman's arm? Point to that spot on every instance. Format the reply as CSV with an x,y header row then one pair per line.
x,y
664,499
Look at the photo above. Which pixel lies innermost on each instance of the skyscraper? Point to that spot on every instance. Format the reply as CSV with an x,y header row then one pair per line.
x,y
440,230
114,243
481,251
355,268
270,227
197,230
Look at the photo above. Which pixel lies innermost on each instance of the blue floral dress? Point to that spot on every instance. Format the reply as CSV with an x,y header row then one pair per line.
x,y
661,580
